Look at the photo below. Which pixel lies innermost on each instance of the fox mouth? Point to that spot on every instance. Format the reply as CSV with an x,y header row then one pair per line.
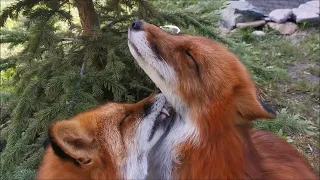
x,y
163,120
134,48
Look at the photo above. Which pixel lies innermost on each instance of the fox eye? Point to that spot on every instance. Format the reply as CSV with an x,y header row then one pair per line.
x,y
189,55
196,65
126,118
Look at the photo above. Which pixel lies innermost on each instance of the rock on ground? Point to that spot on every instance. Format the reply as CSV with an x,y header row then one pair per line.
x,y
309,8
239,12
308,12
315,3
280,15
258,33
285,29
304,16
251,24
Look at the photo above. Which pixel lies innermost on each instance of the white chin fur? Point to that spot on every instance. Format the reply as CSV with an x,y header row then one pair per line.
x,y
136,166
158,70
183,128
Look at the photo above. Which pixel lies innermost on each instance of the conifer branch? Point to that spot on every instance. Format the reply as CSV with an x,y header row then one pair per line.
x,y
72,39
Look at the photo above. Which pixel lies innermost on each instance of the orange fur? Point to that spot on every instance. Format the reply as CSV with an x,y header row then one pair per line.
x,y
221,100
95,143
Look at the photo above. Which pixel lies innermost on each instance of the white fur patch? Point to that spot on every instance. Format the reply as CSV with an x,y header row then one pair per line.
x,y
164,154
136,166
158,70
165,78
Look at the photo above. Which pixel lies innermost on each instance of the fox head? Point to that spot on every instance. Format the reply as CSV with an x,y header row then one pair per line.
x,y
108,142
195,72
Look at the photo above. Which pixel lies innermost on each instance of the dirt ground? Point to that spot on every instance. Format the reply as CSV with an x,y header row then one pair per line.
x,y
300,92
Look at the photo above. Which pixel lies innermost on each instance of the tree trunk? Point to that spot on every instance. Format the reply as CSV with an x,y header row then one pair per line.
x,y
88,16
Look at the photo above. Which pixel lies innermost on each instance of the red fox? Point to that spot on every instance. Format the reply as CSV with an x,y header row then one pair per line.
x,y
109,142
216,98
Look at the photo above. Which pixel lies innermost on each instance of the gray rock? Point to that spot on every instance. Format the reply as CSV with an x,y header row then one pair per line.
x,y
309,8
251,24
267,19
239,12
258,33
228,18
308,12
315,3
280,15
301,15
285,29
171,29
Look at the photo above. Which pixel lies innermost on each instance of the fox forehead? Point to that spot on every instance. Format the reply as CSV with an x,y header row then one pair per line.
x,y
110,113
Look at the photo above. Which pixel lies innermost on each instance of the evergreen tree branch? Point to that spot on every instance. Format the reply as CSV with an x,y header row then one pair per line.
x,y
15,9
5,64
72,39
26,7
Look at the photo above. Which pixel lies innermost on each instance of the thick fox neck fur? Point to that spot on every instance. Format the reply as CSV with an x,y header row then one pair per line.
x,y
223,151
217,100
223,125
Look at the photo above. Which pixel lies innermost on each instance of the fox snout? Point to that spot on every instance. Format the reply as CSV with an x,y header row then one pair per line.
x,y
151,47
192,70
136,25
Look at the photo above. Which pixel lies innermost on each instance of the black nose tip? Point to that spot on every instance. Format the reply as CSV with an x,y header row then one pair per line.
x,y
136,25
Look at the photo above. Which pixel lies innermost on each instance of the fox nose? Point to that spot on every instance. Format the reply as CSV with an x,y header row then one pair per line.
x,y
136,25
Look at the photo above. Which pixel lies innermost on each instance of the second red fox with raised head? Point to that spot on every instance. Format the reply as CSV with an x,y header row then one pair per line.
x,y
215,96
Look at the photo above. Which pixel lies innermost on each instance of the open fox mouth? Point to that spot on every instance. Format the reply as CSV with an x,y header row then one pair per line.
x,y
163,119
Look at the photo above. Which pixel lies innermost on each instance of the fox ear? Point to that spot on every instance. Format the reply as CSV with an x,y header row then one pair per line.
x,y
70,141
250,107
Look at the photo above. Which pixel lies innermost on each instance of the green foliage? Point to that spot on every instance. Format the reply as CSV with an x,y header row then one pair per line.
x,y
14,37
23,174
271,54
311,46
287,123
303,25
46,80
246,34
